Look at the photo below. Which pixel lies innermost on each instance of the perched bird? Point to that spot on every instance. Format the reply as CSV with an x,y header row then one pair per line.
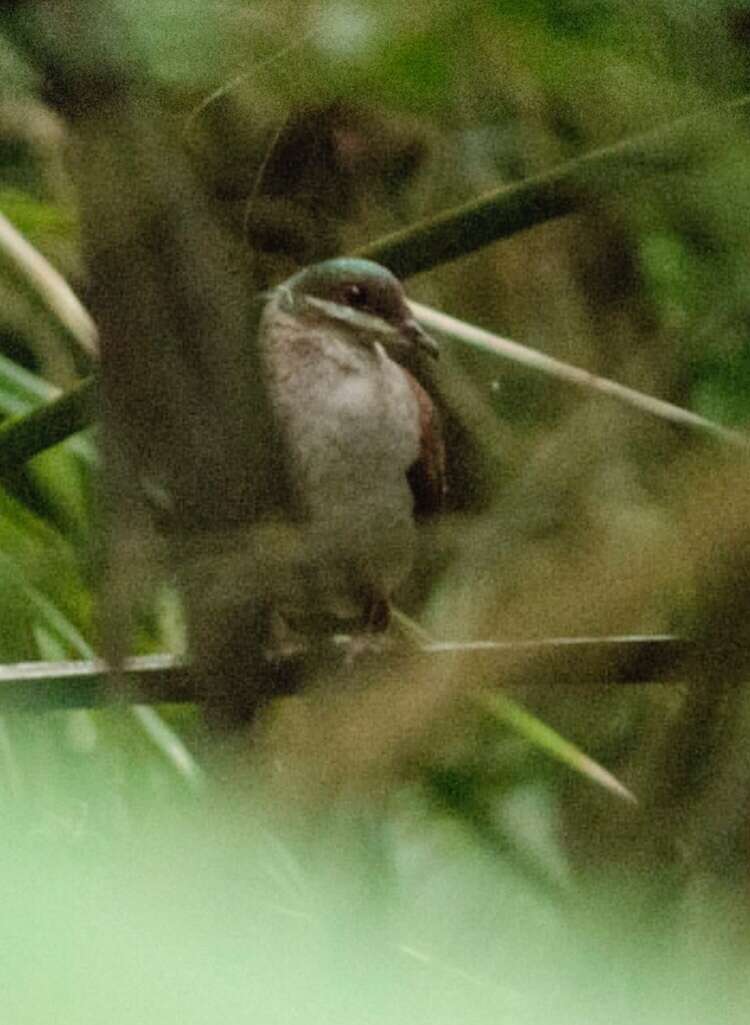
x,y
363,443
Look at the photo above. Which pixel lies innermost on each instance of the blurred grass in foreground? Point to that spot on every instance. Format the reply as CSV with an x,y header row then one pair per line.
x,y
227,915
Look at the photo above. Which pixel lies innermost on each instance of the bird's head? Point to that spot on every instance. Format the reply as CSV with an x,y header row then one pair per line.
x,y
359,296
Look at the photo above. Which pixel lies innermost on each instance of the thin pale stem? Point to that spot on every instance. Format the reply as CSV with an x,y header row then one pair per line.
x,y
517,353
50,286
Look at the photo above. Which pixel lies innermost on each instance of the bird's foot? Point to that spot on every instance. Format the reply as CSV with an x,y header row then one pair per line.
x,y
365,644
283,643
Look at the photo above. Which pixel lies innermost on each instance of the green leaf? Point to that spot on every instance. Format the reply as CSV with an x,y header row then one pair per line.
x,y
546,739
36,219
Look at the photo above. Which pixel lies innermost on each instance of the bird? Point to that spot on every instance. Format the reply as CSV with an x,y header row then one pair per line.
x,y
362,439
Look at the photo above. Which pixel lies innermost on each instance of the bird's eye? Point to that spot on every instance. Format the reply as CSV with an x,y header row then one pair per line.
x,y
355,296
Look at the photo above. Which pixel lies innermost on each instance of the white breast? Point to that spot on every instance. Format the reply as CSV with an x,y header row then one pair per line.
x,y
351,423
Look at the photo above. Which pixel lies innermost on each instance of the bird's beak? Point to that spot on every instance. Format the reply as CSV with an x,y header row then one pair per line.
x,y
414,332
271,293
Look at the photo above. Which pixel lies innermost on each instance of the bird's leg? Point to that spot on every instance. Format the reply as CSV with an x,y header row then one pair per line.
x,y
283,642
373,638
378,616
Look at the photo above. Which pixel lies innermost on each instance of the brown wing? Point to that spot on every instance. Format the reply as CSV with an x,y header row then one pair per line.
x,y
426,475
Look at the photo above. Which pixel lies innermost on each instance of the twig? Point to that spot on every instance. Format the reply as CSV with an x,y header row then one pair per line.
x,y
504,347
25,436
502,212
50,285
161,679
